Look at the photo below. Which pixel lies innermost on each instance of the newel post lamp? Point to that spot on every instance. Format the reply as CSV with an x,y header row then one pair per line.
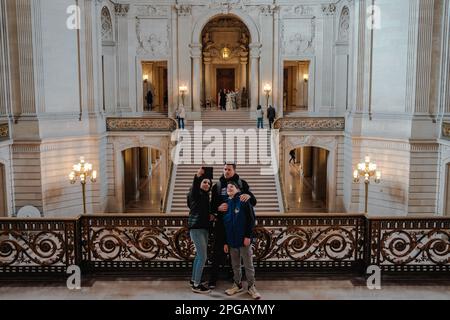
x,y
267,90
183,89
367,170
83,171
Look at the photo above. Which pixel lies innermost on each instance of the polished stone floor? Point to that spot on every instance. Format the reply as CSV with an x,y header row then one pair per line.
x,y
299,193
149,195
299,289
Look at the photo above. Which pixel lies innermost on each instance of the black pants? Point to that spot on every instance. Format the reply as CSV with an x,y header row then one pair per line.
x,y
271,121
219,257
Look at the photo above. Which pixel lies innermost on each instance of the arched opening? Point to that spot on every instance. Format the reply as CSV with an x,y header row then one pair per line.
x,y
108,63
447,192
142,180
3,201
306,180
225,45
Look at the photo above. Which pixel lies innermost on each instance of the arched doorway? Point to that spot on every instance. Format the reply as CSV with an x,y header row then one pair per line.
x,y
225,61
3,202
142,180
306,180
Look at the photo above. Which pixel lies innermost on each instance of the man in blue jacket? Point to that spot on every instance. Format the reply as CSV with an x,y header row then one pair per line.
x,y
239,222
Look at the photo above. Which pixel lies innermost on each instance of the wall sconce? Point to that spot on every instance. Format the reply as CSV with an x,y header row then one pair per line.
x,y
267,89
83,171
306,77
183,90
367,170
145,77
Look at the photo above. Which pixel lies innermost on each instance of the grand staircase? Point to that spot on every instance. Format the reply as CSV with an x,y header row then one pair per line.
x,y
265,187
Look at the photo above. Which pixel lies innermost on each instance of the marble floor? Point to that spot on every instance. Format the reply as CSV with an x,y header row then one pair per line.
x,y
287,289
149,195
299,193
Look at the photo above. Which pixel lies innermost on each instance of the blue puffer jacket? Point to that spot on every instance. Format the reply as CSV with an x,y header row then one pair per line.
x,y
239,222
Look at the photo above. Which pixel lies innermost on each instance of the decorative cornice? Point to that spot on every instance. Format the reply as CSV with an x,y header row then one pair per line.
x,y
310,124
446,130
4,131
225,6
140,124
121,9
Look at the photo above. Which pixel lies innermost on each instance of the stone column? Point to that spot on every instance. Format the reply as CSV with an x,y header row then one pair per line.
x,y
255,52
122,41
208,79
244,61
196,55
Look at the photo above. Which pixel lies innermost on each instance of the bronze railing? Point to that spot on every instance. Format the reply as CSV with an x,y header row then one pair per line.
x,y
410,244
38,246
283,243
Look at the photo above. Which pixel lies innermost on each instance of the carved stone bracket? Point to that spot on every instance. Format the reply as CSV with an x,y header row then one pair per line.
x,y
141,124
329,9
184,10
310,124
121,9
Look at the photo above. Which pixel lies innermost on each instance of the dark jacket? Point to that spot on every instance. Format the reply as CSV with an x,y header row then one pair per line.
x,y
239,222
216,201
271,113
198,203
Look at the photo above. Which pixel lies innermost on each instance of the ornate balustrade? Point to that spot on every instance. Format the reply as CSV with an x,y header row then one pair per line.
x,y
141,124
283,243
310,124
410,245
37,246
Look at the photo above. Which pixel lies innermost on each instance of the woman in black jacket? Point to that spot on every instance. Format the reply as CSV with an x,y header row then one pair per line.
x,y
198,222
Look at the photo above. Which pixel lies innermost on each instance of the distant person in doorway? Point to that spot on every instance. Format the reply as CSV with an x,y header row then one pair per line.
x,y
292,154
149,100
271,114
260,117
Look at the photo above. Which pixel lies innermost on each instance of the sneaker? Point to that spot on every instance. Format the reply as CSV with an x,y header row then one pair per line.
x,y
200,289
234,289
254,293
212,284
191,283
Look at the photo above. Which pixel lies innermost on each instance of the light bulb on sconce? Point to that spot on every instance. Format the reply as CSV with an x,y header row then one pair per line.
x,y
267,89
145,77
306,77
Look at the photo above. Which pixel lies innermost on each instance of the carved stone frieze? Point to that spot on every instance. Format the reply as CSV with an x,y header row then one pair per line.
x,y
329,9
298,36
152,11
184,10
225,6
310,124
140,124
